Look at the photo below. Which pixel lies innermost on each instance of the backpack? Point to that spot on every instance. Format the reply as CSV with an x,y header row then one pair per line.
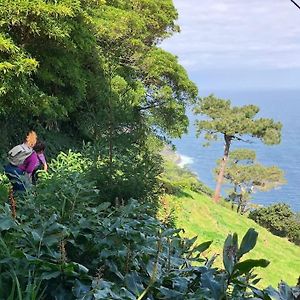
x,y
18,154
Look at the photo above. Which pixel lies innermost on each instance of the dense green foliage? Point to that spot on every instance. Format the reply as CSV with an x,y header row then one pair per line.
x,y
280,220
233,123
90,68
247,176
92,71
69,244
81,172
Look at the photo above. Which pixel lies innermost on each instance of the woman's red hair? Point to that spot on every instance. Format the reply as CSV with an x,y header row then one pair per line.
x,y
31,139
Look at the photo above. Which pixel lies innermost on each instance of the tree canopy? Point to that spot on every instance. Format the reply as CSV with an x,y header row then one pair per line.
x,y
235,122
63,63
248,176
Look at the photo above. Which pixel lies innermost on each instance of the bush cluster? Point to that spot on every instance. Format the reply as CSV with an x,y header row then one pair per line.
x,y
280,220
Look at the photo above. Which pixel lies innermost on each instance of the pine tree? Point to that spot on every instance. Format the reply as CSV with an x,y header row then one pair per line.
x,y
233,123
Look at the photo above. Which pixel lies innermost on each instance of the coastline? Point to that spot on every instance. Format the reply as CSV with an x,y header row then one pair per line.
x,y
179,159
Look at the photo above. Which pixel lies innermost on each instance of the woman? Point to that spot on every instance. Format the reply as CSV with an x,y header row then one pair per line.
x,y
39,150
23,160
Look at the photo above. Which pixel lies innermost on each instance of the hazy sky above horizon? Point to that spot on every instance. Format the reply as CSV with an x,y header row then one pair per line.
x,y
233,44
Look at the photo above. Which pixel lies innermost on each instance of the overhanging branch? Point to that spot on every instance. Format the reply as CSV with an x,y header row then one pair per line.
x,y
296,3
242,140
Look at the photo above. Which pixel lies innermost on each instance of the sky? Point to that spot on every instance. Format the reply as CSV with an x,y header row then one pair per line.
x,y
238,44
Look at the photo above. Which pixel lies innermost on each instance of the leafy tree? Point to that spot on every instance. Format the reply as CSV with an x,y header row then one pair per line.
x,y
233,123
247,176
278,219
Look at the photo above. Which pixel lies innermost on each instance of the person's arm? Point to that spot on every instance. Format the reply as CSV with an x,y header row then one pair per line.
x,y
42,159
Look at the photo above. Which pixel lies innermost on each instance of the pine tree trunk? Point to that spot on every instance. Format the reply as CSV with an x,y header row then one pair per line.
x,y
239,208
220,178
235,189
243,201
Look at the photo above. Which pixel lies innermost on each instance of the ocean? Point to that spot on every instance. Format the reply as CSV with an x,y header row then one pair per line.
x,y
281,105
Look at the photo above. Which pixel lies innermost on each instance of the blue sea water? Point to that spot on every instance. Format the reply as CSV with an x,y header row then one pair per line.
x,y
281,105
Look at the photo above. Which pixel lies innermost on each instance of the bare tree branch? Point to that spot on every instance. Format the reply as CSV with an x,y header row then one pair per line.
x,y
296,4
242,140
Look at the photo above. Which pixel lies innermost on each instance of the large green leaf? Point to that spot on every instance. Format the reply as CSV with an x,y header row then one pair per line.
x,y
247,265
81,289
6,223
134,284
208,281
248,242
49,275
4,192
170,232
170,293
272,294
285,291
230,252
203,247
113,268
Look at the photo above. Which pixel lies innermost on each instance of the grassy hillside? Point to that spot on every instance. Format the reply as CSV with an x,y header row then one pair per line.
x,y
198,215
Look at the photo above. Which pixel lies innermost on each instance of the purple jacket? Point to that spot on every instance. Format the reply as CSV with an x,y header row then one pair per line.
x,y
30,163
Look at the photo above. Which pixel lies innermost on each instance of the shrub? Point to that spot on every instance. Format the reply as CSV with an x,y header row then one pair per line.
x,y
67,187
278,219
132,173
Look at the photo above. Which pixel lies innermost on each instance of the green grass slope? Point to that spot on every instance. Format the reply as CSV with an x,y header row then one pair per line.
x,y
198,215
